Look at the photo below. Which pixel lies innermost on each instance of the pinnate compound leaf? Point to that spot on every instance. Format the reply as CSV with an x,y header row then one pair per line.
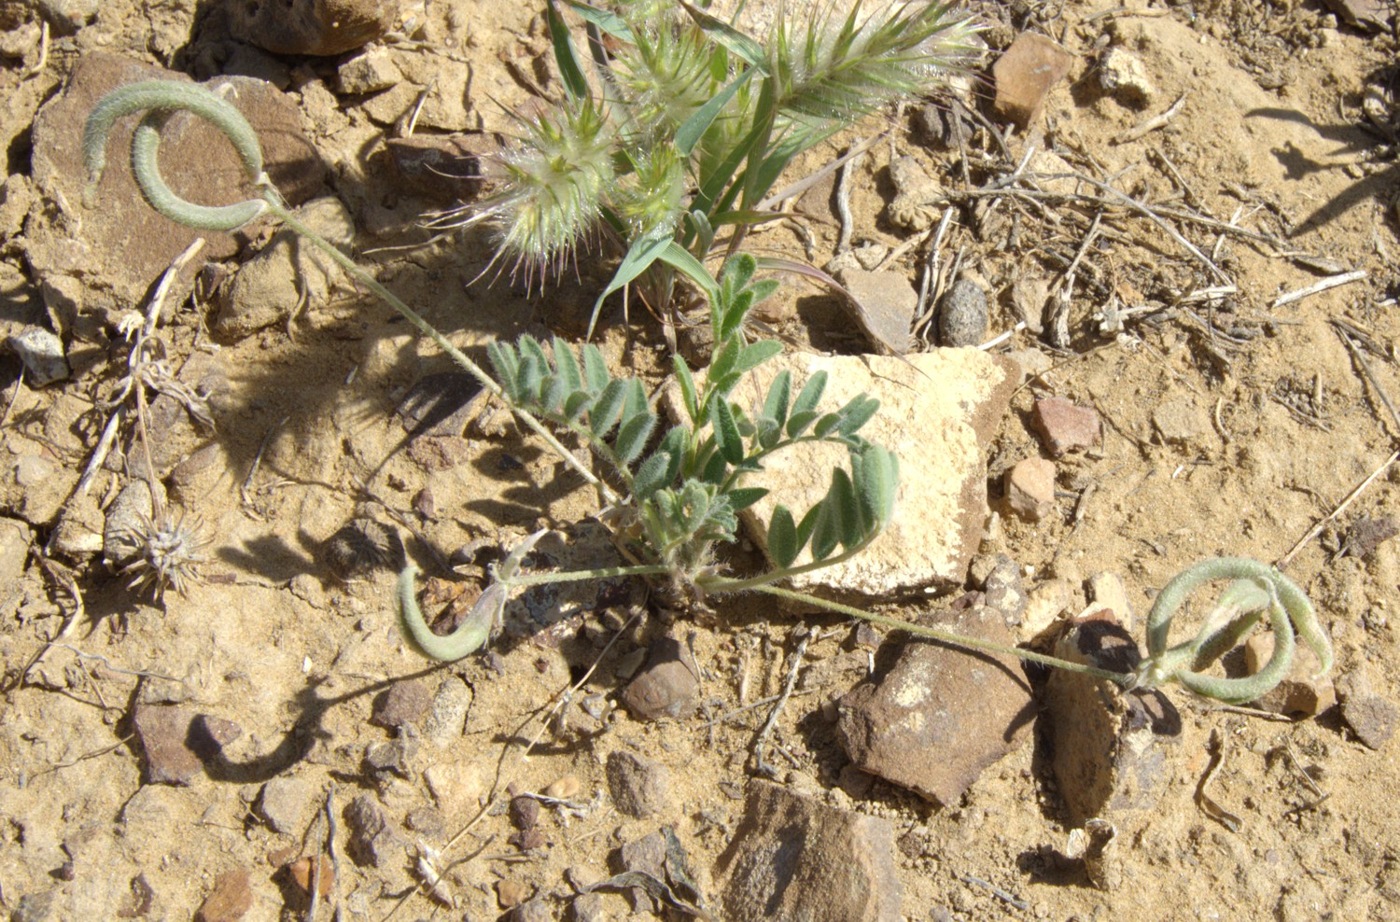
x,y
783,546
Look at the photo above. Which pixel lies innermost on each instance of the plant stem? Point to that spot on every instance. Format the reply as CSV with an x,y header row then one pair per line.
x,y
577,576
946,636
427,329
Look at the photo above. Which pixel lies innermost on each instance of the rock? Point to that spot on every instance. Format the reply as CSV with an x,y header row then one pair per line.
x,y
524,812
447,718
287,804
1369,15
1106,590
445,168
404,702
938,411
370,72
128,521
1024,76
512,891
1181,423
96,276
1030,488
883,304
914,206
564,787
286,273
1064,427
42,355
230,899
1111,751
1372,717
177,741
15,538
1123,75
962,314
316,27
795,858
1367,533
34,907
1303,693
1029,295
372,840
1004,591
639,787
303,871
913,725
646,855
535,910
666,687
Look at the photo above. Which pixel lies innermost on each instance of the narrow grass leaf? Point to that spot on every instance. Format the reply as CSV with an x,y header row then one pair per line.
x,y
564,56
693,129
640,255
743,47
680,259
610,23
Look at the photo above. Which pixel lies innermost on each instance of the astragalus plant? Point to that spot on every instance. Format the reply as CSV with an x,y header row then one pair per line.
x,y
671,136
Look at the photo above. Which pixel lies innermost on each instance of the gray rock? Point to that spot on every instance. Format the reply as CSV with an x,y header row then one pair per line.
x,y
1372,717
1111,751
42,355
913,724
666,687
647,855
287,804
962,315
536,910
1123,75
914,206
447,718
938,411
372,840
793,858
316,27
404,702
639,787
884,306
34,907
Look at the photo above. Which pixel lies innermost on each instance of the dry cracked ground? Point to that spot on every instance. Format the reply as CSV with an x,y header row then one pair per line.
x,y
1170,227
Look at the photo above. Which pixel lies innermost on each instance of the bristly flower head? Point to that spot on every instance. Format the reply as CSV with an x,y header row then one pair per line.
x,y
556,180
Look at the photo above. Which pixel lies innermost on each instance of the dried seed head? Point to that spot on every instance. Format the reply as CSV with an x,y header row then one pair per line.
x,y
169,555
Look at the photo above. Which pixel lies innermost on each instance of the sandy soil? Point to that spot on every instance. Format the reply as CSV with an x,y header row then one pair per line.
x,y
1231,427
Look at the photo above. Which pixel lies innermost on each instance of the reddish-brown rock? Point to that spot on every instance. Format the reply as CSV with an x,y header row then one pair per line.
x,y
1064,426
1024,76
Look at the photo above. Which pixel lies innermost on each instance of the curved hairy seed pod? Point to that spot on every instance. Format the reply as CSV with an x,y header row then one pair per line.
x,y
145,144
1289,612
166,96
470,635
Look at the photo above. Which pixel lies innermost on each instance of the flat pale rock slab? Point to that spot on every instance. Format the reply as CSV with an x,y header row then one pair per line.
x,y
939,715
794,858
938,410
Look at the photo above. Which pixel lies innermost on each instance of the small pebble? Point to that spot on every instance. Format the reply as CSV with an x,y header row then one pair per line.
x,y
42,355
404,702
639,787
667,687
962,315
564,788
512,892
301,872
230,899
1030,488
1065,427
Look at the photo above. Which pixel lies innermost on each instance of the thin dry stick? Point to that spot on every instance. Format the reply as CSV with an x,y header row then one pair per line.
x,y
843,203
1316,530
1153,123
61,575
1332,281
1370,375
760,766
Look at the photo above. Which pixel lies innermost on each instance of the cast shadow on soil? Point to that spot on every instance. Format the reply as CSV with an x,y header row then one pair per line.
x,y
1352,140
310,708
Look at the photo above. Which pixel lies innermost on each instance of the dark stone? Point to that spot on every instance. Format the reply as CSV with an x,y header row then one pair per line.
x,y
666,685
